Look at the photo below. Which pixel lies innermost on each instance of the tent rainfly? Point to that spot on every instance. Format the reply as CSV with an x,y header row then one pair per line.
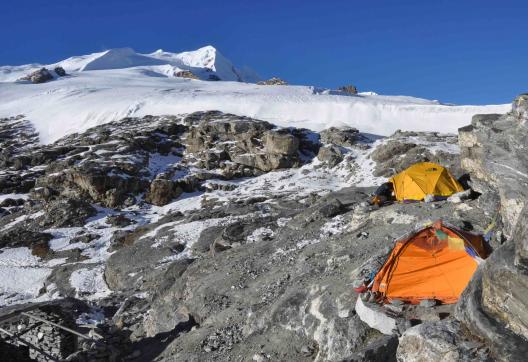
x,y
435,262
422,179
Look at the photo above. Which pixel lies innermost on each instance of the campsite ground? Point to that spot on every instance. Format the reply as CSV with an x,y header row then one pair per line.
x,y
231,261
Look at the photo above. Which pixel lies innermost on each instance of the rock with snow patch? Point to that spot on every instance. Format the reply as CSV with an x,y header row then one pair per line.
x,y
330,155
341,136
348,89
186,74
273,81
39,76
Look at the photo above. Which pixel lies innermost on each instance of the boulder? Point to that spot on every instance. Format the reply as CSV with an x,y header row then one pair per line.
x,y
388,150
439,342
39,76
162,191
375,317
341,136
281,142
66,213
331,155
18,237
60,71
403,149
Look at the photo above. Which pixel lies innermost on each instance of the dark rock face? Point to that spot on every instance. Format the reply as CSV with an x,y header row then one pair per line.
x,y
213,77
60,71
65,213
22,237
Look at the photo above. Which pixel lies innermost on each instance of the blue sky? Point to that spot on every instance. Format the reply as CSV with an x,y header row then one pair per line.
x,y
459,51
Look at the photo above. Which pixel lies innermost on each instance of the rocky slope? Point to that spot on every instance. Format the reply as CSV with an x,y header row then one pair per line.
x,y
209,236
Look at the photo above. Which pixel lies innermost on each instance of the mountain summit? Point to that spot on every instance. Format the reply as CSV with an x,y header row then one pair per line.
x,y
205,63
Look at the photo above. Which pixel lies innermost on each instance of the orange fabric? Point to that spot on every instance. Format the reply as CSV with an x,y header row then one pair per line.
x,y
431,264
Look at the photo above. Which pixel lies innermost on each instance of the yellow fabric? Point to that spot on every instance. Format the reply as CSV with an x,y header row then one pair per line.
x,y
424,178
455,243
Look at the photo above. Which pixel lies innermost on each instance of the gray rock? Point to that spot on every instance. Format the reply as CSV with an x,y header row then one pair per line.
x,y
39,76
66,213
186,74
273,81
438,341
493,305
520,107
281,142
330,155
484,310
341,136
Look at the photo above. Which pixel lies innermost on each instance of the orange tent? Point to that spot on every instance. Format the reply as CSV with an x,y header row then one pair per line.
x,y
436,262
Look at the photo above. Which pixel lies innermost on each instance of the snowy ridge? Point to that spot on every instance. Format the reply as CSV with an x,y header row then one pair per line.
x,y
107,86
202,62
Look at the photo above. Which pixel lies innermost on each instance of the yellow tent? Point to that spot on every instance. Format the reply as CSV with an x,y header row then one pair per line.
x,y
424,178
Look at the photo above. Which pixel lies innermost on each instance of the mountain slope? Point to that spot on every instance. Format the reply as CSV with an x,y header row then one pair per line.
x,y
107,86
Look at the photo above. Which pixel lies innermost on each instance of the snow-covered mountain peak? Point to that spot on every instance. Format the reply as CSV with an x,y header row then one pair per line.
x,y
205,63
205,57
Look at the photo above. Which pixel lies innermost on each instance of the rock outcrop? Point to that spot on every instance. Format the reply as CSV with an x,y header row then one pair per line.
x,y
348,89
242,146
273,81
39,76
186,74
495,304
402,151
439,342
